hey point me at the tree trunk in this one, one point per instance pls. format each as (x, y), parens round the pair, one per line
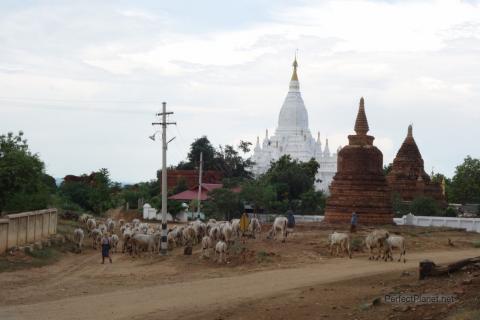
(428, 268)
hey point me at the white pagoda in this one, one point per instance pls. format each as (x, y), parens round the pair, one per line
(293, 137)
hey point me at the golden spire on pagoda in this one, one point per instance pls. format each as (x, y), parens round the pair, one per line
(295, 65)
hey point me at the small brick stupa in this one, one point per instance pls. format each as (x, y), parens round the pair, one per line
(408, 177)
(359, 184)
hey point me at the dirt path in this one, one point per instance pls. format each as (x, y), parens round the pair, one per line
(168, 300)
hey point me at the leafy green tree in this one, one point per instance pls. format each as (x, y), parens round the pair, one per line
(259, 195)
(400, 207)
(291, 178)
(91, 192)
(244, 146)
(225, 159)
(229, 161)
(23, 183)
(202, 145)
(425, 206)
(387, 168)
(312, 202)
(450, 212)
(465, 185)
(223, 203)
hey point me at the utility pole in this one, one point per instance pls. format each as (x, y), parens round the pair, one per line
(164, 124)
(199, 185)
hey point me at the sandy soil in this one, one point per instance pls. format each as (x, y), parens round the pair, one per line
(178, 286)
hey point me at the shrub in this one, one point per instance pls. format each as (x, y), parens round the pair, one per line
(424, 206)
(450, 212)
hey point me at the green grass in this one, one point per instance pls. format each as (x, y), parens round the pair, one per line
(35, 259)
(263, 256)
(357, 244)
(43, 257)
(466, 315)
(476, 243)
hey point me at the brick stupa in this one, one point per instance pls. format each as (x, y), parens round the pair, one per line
(359, 184)
(408, 177)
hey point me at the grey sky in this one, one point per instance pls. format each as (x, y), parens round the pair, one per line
(83, 79)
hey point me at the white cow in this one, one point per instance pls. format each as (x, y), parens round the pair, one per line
(221, 252)
(376, 239)
(78, 236)
(279, 227)
(340, 241)
(394, 242)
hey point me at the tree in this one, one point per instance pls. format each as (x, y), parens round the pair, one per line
(424, 206)
(291, 178)
(387, 168)
(223, 203)
(244, 146)
(91, 192)
(399, 206)
(202, 145)
(225, 159)
(312, 202)
(259, 195)
(228, 160)
(23, 183)
(465, 185)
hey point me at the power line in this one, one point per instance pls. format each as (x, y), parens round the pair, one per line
(76, 100)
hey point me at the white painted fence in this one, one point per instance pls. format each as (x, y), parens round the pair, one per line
(150, 213)
(298, 218)
(469, 224)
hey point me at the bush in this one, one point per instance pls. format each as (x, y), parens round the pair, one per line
(424, 206)
(450, 212)
(357, 244)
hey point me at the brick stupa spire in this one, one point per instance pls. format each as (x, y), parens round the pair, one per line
(359, 184)
(361, 123)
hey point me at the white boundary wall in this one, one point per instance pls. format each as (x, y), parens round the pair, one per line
(469, 224)
(26, 227)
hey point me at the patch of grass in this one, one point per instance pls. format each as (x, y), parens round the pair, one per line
(263, 256)
(44, 257)
(36, 259)
(466, 315)
(476, 243)
(357, 244)
(66, 226)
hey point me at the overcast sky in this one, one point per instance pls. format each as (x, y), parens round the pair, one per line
(84, 79)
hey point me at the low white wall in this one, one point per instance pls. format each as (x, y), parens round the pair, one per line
(469, 224)
(26, 227)
(298, 218)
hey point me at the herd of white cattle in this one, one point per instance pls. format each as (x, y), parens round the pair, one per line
(137, 236)
(379, 239)
(217, 236)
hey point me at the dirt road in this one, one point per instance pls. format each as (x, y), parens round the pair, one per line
(167, 301)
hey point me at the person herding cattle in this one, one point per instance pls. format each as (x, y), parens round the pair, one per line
(353, 223)
(105, 248)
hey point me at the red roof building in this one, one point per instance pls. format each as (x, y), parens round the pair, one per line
(192, 193)
(191, 177)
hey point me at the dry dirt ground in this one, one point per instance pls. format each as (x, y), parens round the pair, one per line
(264, 279)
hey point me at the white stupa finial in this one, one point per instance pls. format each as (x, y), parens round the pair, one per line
(326, 151)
